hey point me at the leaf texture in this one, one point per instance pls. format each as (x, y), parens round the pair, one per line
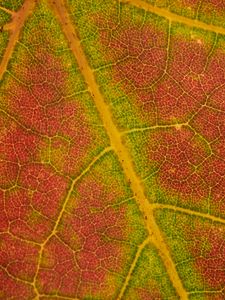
(112, 146)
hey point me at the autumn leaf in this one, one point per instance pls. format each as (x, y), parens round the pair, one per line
(112, 146)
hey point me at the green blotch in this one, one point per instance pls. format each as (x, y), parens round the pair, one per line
(177, 228)
(202, 10)
(152, 2)
(191, 34)
(4, 17)
(137, 232)
(4, 35)
(178, 7)
(4, 38)
(12, 4)
(138, 143)
(84, 15)
(150, 275)
(203, 295)
(123, 108)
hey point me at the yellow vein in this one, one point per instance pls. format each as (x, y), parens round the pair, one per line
(15, 29)
(13, 277)
(189, 212)
(177, 126)
(174, 17)
(7, 10)
(117, 144)
(128, 277)
(58, 297)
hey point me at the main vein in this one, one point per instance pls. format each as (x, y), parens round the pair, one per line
(118, 146)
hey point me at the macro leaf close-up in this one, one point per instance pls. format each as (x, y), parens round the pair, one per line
(112, 149)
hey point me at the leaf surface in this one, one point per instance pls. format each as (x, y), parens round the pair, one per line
(112, 119)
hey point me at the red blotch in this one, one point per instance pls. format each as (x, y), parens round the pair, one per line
(4, 222)
(139, 55)
(13, 289)
(58, 271)
(173, 102)
(24, 221)
(17, 147)
(217, 99)
(32, 207)
(48, 189)
(218, 147)
(57, 116)
(43, 106)
(144, 294)
(210, 124)
(36, 191)
(88, 232)
(186, 65)
(214, 75)
(18, 257)
(211, 6)
(9, 173)
(210, 262)
(176, 152)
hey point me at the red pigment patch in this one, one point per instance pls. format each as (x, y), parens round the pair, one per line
(9, 172)
(217, 5)
(210, 124)
(139, 60)
(48, 118)
(186, 65)
(217, 99)
(219, 147)
(65, 272)
(43, 107)
(34, 205)
(139, 55)
(58, 272)
(78, 138)
(144, 294)
(213, 172)
(47, 189)
(18, 257)
(214, 75)
(186, 168)
(34, 202)
(13, 289)
(209, 249)
(174, 103)
(24, 221)
(17, 147)
(89, 230)
(4, 222)
(176, 152)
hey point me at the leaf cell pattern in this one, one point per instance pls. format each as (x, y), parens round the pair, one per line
(112, 119)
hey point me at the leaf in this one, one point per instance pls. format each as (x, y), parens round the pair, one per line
(112, 149)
